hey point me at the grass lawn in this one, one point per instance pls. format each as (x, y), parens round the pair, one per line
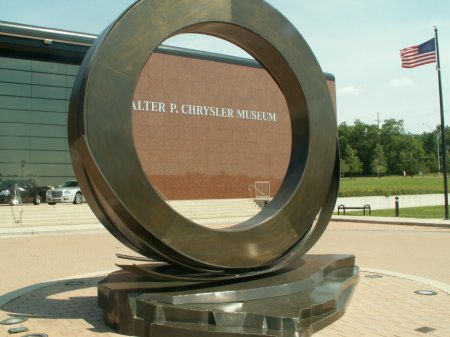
(391, 185)
(428, 212)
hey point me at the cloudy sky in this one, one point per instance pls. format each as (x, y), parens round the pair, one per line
(357, 41)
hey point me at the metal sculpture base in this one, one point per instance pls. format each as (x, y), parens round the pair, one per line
(296, 301)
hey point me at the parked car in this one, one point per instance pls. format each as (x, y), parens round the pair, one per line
(44, 190)
(67, 192)
(16, 192)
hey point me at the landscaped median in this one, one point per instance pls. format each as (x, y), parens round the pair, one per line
(392, 185)
(418, 197)
(427, 212)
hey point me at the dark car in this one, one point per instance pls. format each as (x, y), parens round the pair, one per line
(15, 192)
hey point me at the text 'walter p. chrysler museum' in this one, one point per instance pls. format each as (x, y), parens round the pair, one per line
(204, 125)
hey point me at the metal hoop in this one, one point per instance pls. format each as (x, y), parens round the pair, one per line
(107, 166)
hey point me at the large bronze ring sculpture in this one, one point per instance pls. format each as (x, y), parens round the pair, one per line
(223, 282)
(211, 282)
(110, 174)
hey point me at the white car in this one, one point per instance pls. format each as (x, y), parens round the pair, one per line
(67, 192)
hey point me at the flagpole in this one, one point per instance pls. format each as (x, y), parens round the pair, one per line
(441, 105)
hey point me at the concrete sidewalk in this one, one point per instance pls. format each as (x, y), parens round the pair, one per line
(395, 260)
(19, 230)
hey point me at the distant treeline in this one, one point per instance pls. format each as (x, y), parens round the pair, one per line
(368, 150)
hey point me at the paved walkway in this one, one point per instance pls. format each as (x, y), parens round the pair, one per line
(396, 261)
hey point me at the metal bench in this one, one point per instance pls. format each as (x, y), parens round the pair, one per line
(363, 208)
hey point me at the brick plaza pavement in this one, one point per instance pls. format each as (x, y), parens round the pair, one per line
(384, 306)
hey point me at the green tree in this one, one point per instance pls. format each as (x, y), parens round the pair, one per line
(411, 156)
(392, 136)
(344, 167)
(363, 140)
(379, 164)
(397, 147)
(352, 163)
(432, 145)
(344, 135)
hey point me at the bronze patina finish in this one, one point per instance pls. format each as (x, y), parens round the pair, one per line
(108, 169)
(309, 295)
(248, 280)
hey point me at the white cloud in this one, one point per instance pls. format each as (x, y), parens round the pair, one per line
(348, 90)
(401, 82)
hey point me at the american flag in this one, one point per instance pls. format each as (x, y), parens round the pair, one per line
(416, 56)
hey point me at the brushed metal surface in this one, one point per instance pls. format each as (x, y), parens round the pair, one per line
(110, 174)
(296, 301)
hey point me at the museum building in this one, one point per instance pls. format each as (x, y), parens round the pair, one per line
(205, 125)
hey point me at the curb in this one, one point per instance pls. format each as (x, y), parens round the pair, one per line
(392, 221)
(14, 232)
